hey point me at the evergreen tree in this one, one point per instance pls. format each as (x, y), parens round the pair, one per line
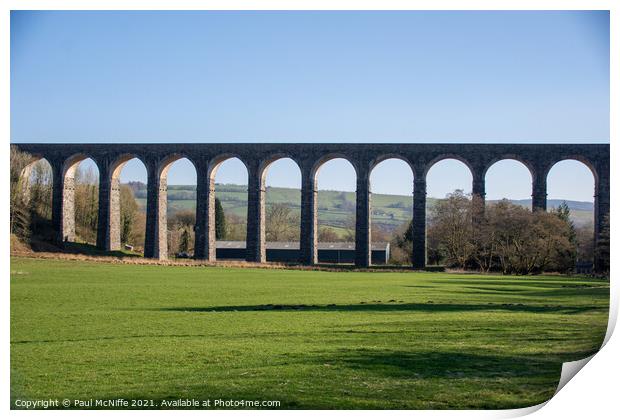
(220, 220)
(563, 212)
(602, 248)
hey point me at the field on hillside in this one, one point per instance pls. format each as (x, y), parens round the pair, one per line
(335, 208)
(309, 339)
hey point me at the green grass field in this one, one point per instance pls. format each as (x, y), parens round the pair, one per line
(310, 339)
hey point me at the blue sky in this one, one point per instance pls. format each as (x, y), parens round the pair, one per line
(318, 76)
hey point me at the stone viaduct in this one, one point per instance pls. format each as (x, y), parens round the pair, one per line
(110, 158)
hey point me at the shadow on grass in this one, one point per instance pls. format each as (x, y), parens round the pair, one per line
(563, 291)
(393, 307)
(451, 365)
(437, 379)
(88, 249)
(508, 282)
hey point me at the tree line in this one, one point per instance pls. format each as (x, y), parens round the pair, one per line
(31, 203)
(31, 211)
(31, 195)
(502, 237)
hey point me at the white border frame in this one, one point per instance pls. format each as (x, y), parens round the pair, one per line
(592, 394)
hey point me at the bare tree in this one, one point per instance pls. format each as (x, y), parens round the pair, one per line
(451, 221)
(281, 224)
(527, 242)
(327, 234)
(19, 217)
(379, 233)
(129, 211)
(236, 228)
(86, 201)
(183, 218)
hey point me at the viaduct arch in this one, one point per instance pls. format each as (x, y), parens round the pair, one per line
(538, 158)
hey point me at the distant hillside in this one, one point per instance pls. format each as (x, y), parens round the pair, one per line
(554, 203)
(335, 207)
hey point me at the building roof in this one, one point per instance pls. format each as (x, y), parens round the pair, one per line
(338, 246)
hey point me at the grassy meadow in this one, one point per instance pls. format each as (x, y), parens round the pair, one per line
(309, 339)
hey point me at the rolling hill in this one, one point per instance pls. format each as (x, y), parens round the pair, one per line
(336, 208)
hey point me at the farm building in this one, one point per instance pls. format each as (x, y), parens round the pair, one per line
(328, 252)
